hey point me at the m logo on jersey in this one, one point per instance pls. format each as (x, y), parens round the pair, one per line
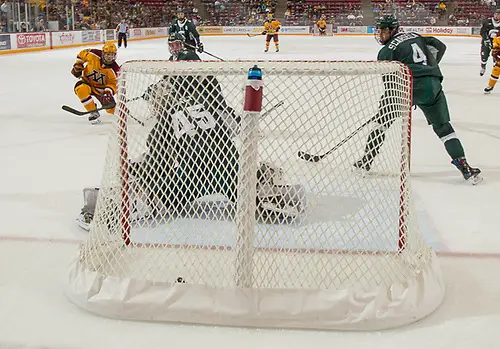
(100, 78)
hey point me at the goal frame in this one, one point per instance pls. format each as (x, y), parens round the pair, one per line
(122, 130)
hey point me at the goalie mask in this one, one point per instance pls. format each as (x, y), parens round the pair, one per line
(109, 53)
(175, 44)
(387, 27)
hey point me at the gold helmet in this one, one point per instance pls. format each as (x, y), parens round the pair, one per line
(270, 16)
(109, 53)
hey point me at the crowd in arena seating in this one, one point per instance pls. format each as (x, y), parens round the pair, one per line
(105, 14)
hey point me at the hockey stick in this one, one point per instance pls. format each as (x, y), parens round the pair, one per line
(315, 158)
(253, 35)
(277, 105)
(83, 113)
(136, 98)
(208, 53)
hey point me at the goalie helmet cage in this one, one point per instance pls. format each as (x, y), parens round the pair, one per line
(178, 234)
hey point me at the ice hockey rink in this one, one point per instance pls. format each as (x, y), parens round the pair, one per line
(48, 156)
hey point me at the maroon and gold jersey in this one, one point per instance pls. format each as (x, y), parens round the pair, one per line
(95, 73)
(272, 26)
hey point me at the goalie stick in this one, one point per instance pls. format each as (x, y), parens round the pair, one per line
(315, 158)
(277, 105)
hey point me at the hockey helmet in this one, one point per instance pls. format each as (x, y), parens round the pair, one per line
(496, 15)
(175, 44)
(386, 27)
(109, 53)
(181, 15)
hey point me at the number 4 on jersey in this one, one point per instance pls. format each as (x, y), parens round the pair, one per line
(418, 55)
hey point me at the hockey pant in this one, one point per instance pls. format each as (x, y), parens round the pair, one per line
(122, 36)
(85, 92)
(275, 39)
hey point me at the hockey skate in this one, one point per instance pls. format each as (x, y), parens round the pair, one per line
(363, 166)
(482, 70)
(471, 174)
(487, 90)
(266, 50)
(94, 117)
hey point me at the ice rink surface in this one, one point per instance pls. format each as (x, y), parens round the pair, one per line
(48, 156)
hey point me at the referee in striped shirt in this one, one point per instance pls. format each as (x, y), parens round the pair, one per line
(122, 30)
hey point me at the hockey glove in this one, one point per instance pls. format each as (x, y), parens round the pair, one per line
(264, 32)
(107, 99)
(77, 70)
(200, 47)
(495, 52)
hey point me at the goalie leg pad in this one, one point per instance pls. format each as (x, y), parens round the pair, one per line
(84, 220)
(281, 202)
(269, 174)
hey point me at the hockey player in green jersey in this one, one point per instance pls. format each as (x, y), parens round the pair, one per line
(183, 26)
(422, 55)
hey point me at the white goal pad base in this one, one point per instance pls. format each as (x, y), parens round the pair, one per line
(349, 309)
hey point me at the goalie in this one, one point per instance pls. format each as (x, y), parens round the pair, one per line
(192, 154)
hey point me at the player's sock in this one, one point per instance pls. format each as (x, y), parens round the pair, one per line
(88, 103)
(495, 73)
(469, 173)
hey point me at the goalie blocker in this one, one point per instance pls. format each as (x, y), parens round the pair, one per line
(192, 155)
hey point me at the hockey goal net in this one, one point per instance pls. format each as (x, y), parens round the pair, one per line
(207, 215)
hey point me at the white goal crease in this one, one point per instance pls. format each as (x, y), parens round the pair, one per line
(205, 192)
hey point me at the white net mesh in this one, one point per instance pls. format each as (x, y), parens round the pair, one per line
(206, 213)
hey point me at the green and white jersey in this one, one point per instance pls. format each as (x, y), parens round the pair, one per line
(186, 56)
(421, 54)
